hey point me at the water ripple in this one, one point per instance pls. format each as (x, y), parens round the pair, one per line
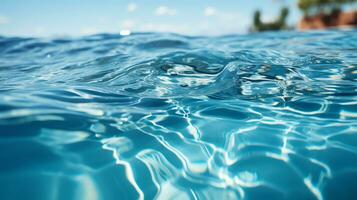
(162, 116)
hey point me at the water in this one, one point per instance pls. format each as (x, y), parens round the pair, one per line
(164, 116)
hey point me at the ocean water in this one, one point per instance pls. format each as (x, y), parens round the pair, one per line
(165, 116)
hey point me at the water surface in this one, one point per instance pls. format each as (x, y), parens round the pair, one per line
(164, 116)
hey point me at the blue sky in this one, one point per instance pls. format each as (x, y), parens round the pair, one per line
(82, 17)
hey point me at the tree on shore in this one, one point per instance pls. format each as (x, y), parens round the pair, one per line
(314, 7)
(278, 24)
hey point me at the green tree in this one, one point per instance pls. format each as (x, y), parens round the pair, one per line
(313, 7)
(278, 24)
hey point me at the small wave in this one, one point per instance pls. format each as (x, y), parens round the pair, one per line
(156, 115)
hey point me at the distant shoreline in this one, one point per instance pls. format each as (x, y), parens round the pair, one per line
(334, 20)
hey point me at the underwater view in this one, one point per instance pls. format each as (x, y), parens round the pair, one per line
(165, 116)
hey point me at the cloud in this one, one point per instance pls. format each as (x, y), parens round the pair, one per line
(226, 22)
(219, 22)
(4, 20)
(209, 11)
(132, 7)
(164, 10)
(222, 23)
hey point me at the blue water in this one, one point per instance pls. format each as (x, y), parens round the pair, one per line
(164, 116)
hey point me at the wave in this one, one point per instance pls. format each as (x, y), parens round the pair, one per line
(156, 115)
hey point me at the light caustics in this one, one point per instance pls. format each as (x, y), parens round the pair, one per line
(160, 116)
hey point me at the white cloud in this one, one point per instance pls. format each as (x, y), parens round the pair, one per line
(220, 22)
(132, 7)
(230, 24)
(209, 11)
(4, 20)
(223, 22)
(164, 10)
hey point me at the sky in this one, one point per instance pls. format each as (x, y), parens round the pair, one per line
(84, 17)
